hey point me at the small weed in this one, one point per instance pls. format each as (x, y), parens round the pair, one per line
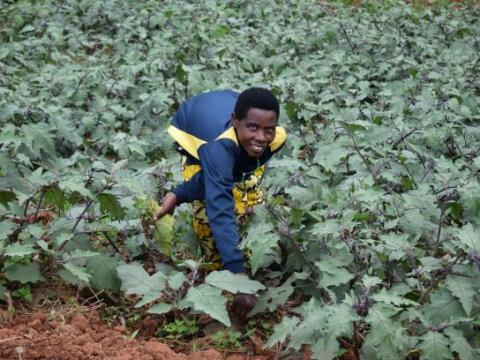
(133, 320)
(178, 329)
(110, 315)
(227, 340)
(264, 326)
(24, 293)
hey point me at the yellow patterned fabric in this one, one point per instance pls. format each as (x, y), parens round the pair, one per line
(246, 194)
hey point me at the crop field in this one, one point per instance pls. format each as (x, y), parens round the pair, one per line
(368, 243)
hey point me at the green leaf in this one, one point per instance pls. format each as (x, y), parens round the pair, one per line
(148, 298)
(6, 197)
(434, 346)
(36, 230)
(469, 238)
(463, 289)
(332, 275)
(19, 250)
(6, 228)
(389, 298)
(339, 323)
(443, 307)
(459, 344)
(386, 336)
(371, 281)
(163, 234)
(329, 155)
(415, 222)
(36, 178)
(273, 298)
(262, 242)
(282, 330)
(209, 300)
(177, 280)
(24, 273)
(135, 280)
(109, 204)
(396, 245)
(72, 185)
(56, 198)
(234, 283)
(81, 254)
(160, 309)
(3, 293)
(69, 278)
(78, 272)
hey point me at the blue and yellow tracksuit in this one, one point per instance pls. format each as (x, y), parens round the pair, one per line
(220, 178)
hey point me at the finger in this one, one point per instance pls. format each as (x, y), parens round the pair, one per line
(158, 215)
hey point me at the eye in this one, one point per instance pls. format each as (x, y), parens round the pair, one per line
(252, 127)
(269, 131)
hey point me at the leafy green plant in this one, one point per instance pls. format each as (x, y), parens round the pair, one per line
(178, 329)
(227, 340)
(110, 315)
(372, 210)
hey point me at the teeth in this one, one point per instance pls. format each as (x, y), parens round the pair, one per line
(257, 148)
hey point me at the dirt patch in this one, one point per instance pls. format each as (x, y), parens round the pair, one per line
(83, 336)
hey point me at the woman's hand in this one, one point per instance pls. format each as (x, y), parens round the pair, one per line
(242, 305)
(168, 206)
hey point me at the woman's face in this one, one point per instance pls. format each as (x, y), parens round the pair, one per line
(256, 130)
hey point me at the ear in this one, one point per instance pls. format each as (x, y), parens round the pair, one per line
(235, 120)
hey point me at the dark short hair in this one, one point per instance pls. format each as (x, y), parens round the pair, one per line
(256, 97)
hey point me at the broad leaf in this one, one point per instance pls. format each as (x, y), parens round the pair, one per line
(109, 204)
(160, 309)
(19, 250)
(78, 272)
(434, 346)
(24, 273)
(282, 330)
(209, 299)
(163, 234)
(463, 289)
(234, 283)
(332, 275)
(6, 228)
(135, 280)
(459, 344)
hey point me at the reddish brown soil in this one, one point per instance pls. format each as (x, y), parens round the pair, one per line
(84, 336)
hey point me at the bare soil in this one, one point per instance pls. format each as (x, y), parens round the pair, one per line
(82, 336)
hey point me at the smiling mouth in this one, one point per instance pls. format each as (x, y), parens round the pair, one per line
(257, 149)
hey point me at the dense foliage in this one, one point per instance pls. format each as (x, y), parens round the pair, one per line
(372, 214)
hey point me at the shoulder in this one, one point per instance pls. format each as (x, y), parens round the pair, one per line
(279, 140)
(219, 148)
(218, 156)
(214, 96)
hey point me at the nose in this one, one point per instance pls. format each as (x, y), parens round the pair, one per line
(261, 137)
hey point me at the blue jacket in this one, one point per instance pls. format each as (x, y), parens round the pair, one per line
(202, 127)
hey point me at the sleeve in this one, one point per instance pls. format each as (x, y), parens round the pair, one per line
(193, 189)
(217, 161)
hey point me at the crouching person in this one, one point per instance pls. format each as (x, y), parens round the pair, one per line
(226, 138)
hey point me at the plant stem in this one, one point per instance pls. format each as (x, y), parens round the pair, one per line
(80, 217)
(42, 196)
(404, 137)
(364, 159)
(443, 275)
(286, 233)
(111, 241)
(347, 37)
(443, 211)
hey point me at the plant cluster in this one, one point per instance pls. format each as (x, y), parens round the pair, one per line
(372, 212)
